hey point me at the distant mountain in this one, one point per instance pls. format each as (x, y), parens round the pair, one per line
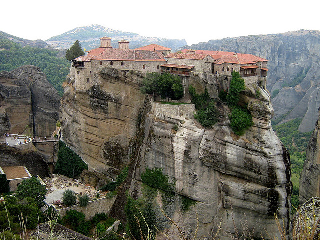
(89, 38)
(294, 70)
(24, 42)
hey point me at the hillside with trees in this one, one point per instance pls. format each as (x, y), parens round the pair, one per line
(50, 61)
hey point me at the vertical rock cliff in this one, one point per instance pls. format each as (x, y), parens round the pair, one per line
(309, 181)
(238, 184)
(28, 102)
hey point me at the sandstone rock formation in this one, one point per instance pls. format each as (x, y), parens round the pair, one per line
(309, 181)
(294, 70)
(238, 183)
(28, 103)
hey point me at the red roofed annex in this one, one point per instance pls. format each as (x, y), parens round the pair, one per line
(156, 58)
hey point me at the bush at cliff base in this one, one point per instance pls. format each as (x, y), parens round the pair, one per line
(69, 163)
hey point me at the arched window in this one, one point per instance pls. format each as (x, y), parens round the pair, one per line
(111, 63)
(144, 66)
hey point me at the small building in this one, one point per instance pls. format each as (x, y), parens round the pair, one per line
(15, 175)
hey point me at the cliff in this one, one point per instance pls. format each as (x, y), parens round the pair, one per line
(238, 183)
(28, 102)
(309, 181)
(294, 73)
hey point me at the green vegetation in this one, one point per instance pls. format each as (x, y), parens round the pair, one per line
(12, 56)
(142, 222)
(205, 106)
(240, 118)
(69, 198)
(236, 87)
(156, 179)
(111, 186)
(32, 188)
(165, 85)
(4, 184)
(69, 163)
(74, 51)
(76, 221)
(144, 215)
(22, 211)
(84, 200)
(296, 143)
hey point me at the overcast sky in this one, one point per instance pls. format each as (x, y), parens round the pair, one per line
(196, 21)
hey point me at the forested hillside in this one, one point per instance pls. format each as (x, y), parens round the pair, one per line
(50, 61)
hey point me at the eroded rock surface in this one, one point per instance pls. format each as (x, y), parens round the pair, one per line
(238, 183)
(28, 103)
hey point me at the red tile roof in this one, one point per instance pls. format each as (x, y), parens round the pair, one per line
(121, 54)
(219, 56)
(154, 47)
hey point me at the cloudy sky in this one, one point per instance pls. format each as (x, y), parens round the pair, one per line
(196, 20)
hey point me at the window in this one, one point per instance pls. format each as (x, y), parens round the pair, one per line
(88, 80)
(122, 63)
(158, 66)
(111, 62)
(144, 66)
(100, 62)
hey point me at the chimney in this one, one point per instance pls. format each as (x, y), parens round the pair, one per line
(105, 42)
(124, 45)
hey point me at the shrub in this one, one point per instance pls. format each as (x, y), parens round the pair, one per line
(165, 85)
(207, 117)
(32, 188)
(76, 221)
(240, 120)
(69, 198)
(206, 111)
(84, 200)
(156, 179)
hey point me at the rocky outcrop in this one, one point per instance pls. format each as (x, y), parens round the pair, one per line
(28, 102)
(238, 183)
(294, 71)
(309, 181)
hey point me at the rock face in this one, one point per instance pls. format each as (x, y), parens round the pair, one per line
(309, 181)
(29, 103)
(238, 183)
(294, 71)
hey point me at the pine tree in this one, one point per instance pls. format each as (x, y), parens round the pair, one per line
(74, 51)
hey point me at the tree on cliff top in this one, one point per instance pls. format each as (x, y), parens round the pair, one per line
(74, 51)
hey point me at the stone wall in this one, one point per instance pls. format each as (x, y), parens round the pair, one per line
(101, 205)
